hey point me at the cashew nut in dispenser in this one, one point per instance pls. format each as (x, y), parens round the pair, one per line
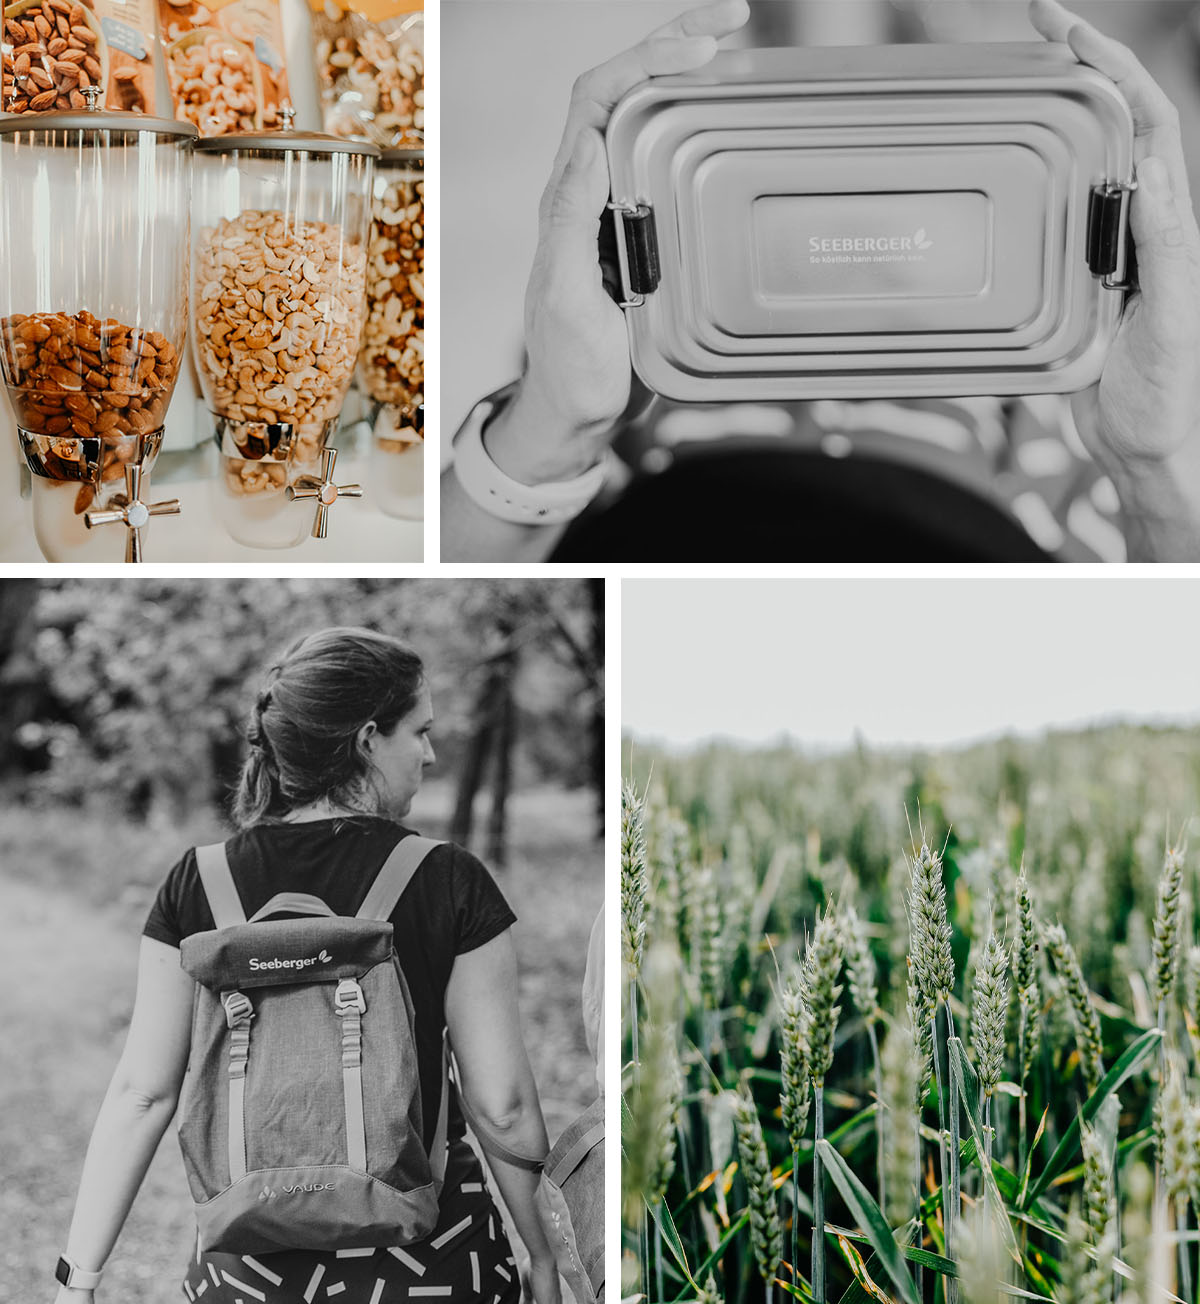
(278, 303)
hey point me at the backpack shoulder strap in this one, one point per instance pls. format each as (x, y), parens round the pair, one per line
(219, 887)
(576, 1143)
(407, 857)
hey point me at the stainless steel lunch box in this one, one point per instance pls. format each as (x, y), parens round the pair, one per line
(892, 220)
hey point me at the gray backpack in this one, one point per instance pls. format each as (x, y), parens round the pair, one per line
(301, 1121)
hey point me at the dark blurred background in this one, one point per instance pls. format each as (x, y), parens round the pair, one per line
(132, 695)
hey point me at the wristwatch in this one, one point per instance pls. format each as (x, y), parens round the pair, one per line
(499, 495)
(69, 1273)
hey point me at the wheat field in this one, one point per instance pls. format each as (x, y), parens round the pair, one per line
(942, 1007)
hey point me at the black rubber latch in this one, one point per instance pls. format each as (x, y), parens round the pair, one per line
(641, 250)
(1105, 229)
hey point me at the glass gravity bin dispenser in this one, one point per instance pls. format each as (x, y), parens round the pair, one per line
(393, 355)
(93, 312)
(278, 305)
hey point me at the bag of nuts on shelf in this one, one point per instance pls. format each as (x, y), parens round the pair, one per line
(393, 351)
(371, 62)
(52, 49)
(225, 63)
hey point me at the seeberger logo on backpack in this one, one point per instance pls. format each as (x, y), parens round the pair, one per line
(323, 958)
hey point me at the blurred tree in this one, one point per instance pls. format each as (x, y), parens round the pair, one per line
(134, 692)
(529, 626)
(18, 674)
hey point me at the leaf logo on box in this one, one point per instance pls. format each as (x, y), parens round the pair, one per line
(920, 242)
(323, 958)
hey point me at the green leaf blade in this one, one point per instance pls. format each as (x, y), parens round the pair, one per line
(1112, 1080)
(866, 1212)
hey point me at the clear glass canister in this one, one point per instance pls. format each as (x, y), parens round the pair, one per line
(278, 304)
(393, 354)
(93, 311)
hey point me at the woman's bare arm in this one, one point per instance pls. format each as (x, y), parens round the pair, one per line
(139, 1104)
(485, 1031)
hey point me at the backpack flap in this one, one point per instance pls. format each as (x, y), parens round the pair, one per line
(279, 952)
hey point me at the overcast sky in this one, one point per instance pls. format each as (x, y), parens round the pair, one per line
(904, 661)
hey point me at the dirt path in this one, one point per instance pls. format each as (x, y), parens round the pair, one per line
(66, 988)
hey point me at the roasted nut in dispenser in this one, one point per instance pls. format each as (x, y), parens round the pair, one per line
(394, 338)
(74, 375)
(278, 305)
(278, 316)
(393, 354)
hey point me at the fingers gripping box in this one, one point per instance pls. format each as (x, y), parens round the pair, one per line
(903, 220)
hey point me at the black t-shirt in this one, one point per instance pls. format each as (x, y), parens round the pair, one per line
(451, 906)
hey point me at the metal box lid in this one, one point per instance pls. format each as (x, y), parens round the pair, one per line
(890, 220)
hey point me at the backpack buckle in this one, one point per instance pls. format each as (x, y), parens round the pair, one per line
(237, 1008)
(348, 999)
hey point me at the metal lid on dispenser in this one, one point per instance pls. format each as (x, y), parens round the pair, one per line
(907, 220)
(116, 120)
(410, 148)
(284, 142)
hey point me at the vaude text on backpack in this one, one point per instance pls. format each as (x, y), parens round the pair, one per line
(301, 1123)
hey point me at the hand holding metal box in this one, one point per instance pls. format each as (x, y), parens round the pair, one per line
(1142, 420)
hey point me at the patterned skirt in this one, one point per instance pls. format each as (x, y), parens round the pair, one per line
(467, 1259)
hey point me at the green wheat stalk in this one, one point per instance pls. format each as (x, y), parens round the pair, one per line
(932, 972)
(903, 1080)
(635, 882)
(989, 1010)
(634, 886)
(1083, 1015)
(819, 992)
(1029, 1002)
(1177, 1149)
(766, 1236)
(864, 992)
(795, 1092)
(1099, 1208)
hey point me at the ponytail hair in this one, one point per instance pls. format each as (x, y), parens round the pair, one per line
(304, 725)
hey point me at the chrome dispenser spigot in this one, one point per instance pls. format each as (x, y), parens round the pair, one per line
(130, 511)
(324, 491)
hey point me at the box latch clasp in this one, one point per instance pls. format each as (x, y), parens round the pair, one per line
(1109, 248)
(637, 252)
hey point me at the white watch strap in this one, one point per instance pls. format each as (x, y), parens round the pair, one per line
(79, 1278)
(526, 504)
